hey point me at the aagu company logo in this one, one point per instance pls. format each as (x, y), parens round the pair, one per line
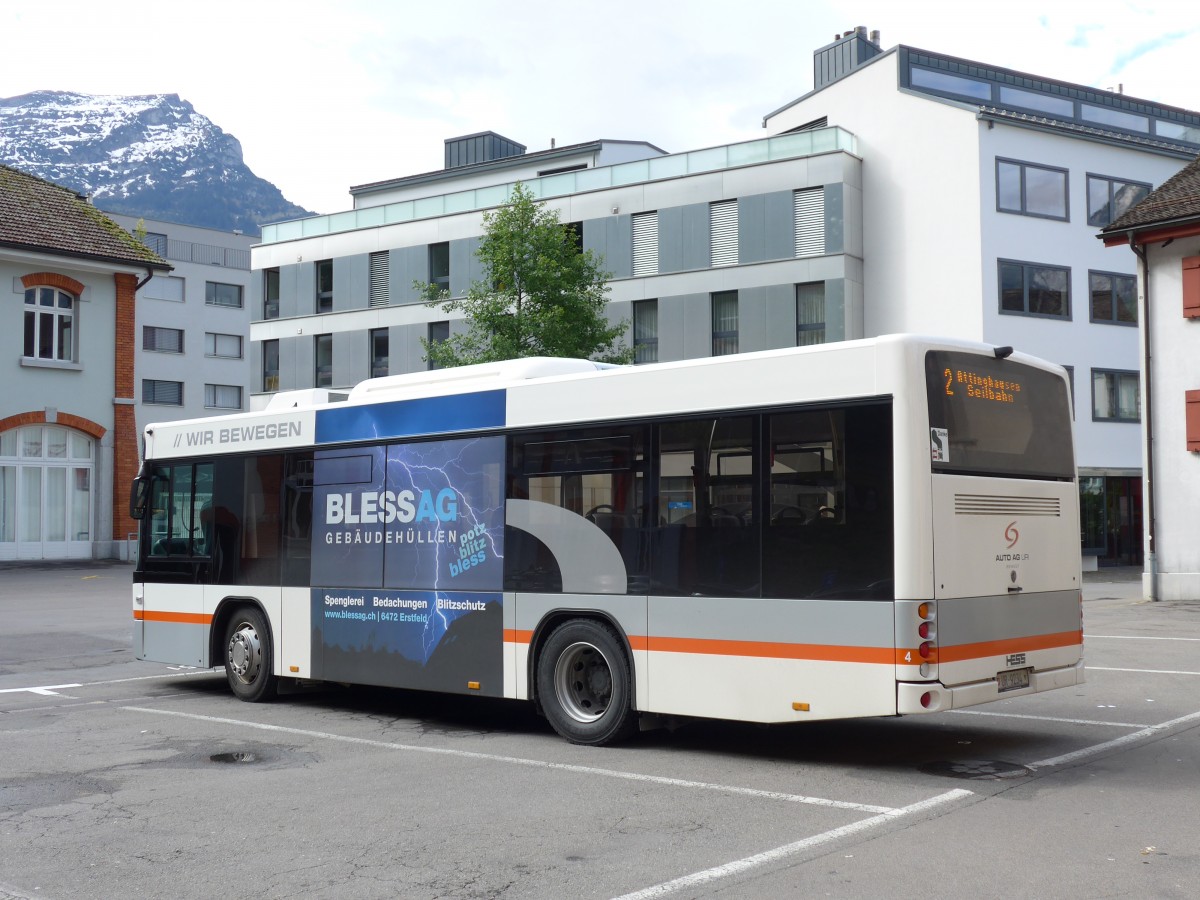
(1012, 535)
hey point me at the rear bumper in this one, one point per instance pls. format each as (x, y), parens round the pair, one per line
(909, 694)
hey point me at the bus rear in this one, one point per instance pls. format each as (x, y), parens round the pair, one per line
(1005, 617)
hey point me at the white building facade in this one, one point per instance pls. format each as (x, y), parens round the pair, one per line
(983, 190)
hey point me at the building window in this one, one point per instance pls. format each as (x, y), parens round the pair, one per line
(378, 339)
(270, 365)
(323, 301)
(1110, 198)
(323, 360)
(228, 346)
(1029, 190)
(164, 287)
(49, 324)
(645, 243)
(438, 332)
(723, 233)
(439, 266)
(379, 289)
(163, 393)
(271, 294)
(1035, 290)
(1114, 298)
(162, 340)
(45, 486)
(1115, 396)
(645, 331)
(810, 314)
(222, 396)
(217, 294)
(724, 323)
(574, 231)
(809, 215)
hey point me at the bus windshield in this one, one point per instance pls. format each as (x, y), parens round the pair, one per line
(997, 417)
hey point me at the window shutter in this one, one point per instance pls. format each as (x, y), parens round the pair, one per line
(645, 244)
(810, 222)
(1193, 420)
(379, 290)
(1191, 287)
(723, 222)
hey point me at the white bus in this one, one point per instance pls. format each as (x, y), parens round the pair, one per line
(869, 528)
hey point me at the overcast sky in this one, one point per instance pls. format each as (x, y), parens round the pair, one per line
(324, 95)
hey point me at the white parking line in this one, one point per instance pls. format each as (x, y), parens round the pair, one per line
(49, 690)
(1134, 637)
(1110, 745)
(1140, 671)
(884, 811)
(769, 856)
(980, 712)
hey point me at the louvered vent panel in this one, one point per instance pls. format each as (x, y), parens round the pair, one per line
(723, 220)
(810, 222)
(645, 244)
(988, 505)
(379, 289)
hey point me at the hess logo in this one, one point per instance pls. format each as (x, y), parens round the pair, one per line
(1011, 534)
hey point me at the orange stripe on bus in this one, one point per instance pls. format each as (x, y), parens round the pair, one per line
(513, 636)
(767, 649)
(154, 615)
(964, 652)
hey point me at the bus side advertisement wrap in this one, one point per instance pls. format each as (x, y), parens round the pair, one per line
(407, 565)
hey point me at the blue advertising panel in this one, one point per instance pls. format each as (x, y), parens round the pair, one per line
(407, 564)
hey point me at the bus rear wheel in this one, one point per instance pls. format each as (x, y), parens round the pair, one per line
(248, 656)
(584, 683)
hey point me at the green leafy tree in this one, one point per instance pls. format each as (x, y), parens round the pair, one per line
(540, 294)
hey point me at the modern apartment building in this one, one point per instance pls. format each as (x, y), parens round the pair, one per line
(193, 325)
(909, 191)
(983, 191)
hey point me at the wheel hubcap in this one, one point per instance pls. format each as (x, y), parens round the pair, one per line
(245, 654)
(583, 682)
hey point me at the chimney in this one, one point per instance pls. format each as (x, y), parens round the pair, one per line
(847, 52)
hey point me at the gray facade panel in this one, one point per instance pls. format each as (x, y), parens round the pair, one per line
(684, 327)
(835, 220)
(835, 311)
(765, 227)
(766, 317)
(295, 363)
(475, 266)
(289, 291)
(351, 277)
(683, 238)
(350, 360)
(779, 225)
(406, 265)
(461, 254)
(306, 288)
(611, 239)
(752, 224)
(254, 359)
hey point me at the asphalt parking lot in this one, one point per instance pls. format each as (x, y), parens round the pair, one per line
(124, 778)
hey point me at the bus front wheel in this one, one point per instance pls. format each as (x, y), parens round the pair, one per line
(248, 656)
(584, 683)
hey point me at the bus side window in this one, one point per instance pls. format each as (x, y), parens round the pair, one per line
(707, 540)
(598, 474)
(297, 519)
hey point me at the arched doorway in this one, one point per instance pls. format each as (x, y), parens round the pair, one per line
(47, 502)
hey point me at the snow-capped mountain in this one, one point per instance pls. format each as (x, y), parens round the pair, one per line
(151, 156)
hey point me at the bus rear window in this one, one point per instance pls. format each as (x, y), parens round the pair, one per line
(997, 417)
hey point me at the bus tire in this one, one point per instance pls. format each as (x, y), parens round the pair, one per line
(248, 656)
(584, 683)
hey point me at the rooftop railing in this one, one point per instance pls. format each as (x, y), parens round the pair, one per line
(676, 165)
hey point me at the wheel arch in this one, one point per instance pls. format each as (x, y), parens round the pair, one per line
(546, 627)
(220, 622)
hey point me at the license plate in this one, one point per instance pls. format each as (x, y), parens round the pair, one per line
(1013, 680)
